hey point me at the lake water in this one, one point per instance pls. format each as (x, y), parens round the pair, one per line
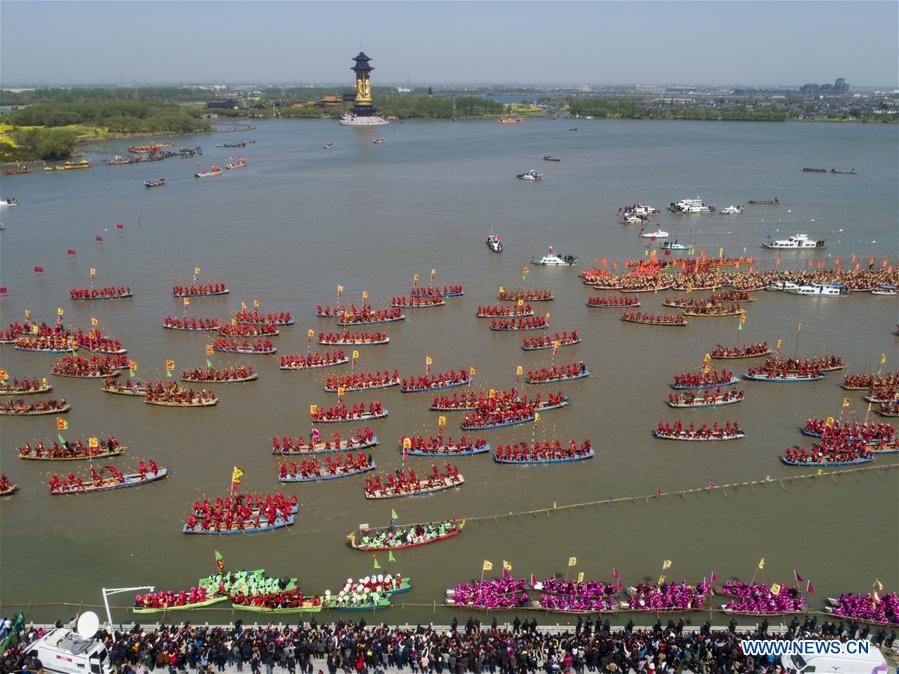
(299, 219)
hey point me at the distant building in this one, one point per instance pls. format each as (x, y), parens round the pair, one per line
(839, 87)
(226, 104)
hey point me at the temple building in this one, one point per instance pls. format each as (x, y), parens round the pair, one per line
(363, 112)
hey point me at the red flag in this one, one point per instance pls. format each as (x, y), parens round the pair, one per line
(809, 588)
(119, 226)
(615, 573)
(71, 251)
(98, 238)
(3, 290)
(797, 576)
(714, 577)
(39, 270)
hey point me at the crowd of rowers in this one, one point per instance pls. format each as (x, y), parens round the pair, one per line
(177, 396)
(878, 434)
(512, 324)
(436, 381)
(430, 297)
(344, 413)
(526, 295)
(192, 323)
(6, 485)
(828, 452)
(246, 316)
(745, 351)
(760, 598)
(368, 591)
(227, 374)
(138, 387)
(233, 346)
(703, 379)
(362, 380)
(24, 385)
(440, 445)
(54, 342)
(240, 511)
(99, 293)
(803, 365)
(93, 341)
(883, 394)
(348, 338)
(405, 537)
(400, 482)
(332, 466)
(16, 329)
(363, 314)
(679, 430)
(863, 382)
(171, 599)
(550, 450)
(653, 319)
(558, 372)
(448, 290)
(471, 400)
(547, 342)
(198, 290)
(869, 607)
(702, 309)
(509, 409)
(612, 302)
(94, 366)
(69, 450)
(669, 597)
(288, 445)
(106, 475)
(284, 599)
(504, 310)
(21, 406)
(706, 397)
(292, 361)
(238, 330)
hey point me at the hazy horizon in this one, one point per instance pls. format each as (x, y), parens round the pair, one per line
(449, 43)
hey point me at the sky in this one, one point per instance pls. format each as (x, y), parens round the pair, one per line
(433, 43)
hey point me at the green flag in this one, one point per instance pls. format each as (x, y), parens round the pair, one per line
(208, 363)
(390, 557)
(218, 556)
(168, 374)
(394, 515)
(376, 564)
(62, 440)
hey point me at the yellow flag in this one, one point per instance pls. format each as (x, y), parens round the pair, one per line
(132, 365)
(313, 409)
(492, 394)
(846, 402)
(883, 358)
(506, 566)
(93, 443)
(661, 580)
(255, 303)
(233, 321)
(59, 311)
(341, 390)
(407, 443)
(170, 365)
(488, 565)
(44, 382)
(27, 313)
(441, 421)
(708, 357)
(472, 371)
(355, 355)
(243, 306)
(799, 326)
(877, 585)
(433, 272)
(4, 375)
(820, 471)
(61, 424)
(210, 349)
(94, 322)
(93, 272)
(429, 360)
(775, 589)
(35, 329)
(519, 370)
(310, 334)
(520, 302)
(762, 563)
(536, 417)
(196, 271)
(779, 344)
(666, 564)
(580, 577)
(235, 475)
(415, 277)
(548, 315)
(186, 301)
(501, 290)
(572, 561)
(829, 421)
(365, 294)
(339, 289)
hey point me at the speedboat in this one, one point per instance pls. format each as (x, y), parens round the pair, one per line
(530, 175)
(794, 242)
(494, 243)
(214, 171)
(159, 182)
(819, 289)
(696, 205)
(732, 210)
(329, 146)
(668, 245)
(377, 141)
(884, 290)
(553, 260)
(9, 201)
(634, 219)
(658, 234)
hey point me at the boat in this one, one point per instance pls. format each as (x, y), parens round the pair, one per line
(87, 454)
(589, 454)
(684, 436)
(39, 349)
(366, 544)
(193, 402)
(826, 464)
(206, 290)
(298, 362)
(731, 210)
(9, 489)
(240, 163)
(232, 346)
(723, 353)
(782, 377)
(8, 202)
(68, 166)
(708, 400)
(213, 171)
(200, 325)
(544, 343)
(334, 384)
(366, 340)
(214, 599)
(311, 606)
(343, 445)
(565, 377)
(887, 290)
(329, 146)
(850, 172)
(765, 202)
(437, 385)
(109, 484)
(663, 320)
(508, 120)
(553, 260)
(84, 295)
(137, 389)
(494, 243)
(658, 234)
(669, 245)
(714, 311)
(797, 241)
(8, 390)
(423, 488)
(530, 175)
(818, 289)
(159, 182)
(8, 410)
(377, 141)
(388, 317)
(696, 205)
(17, 171)
(264, 525)
(320, 417)
(235, 379)
(337, 605)
(470, 449)
(324, 474)
(549, 157)
(705, 386)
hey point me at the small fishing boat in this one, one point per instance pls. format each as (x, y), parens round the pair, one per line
(549, 157)
(530, 175)
(240, 163)
(247, 527)
(370, 539)
(329, 146)
(324, 474)
(158, 182)
(589, 454)
(339, 446)
(782, 377)
(658, 234)
(423, 489)
(214, 171)
(494, 243)
(37, 412)
(109, 484)
(377, 141)
(214, 599)
(553, 260)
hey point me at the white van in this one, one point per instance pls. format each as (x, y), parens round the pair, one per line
(64, 651)
(858, 663)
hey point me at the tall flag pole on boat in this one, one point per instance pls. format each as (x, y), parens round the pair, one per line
(433, 273)
(196, 274)
(428, 362)
(209, 351)
(524, 273)
(353, 363)
(759, 567)
(415, 278)
(572, 562)
(472, 371)
(132, 368)
(883, 360)
(798, 328)
(741, 321)
(61, 425)
(407, 445)
(534, 427)
(364, 297)
(309, 336)
(236, 474)
(219, 562)
(169, 367)
(486, 566)
(441, 424)
(339, 292)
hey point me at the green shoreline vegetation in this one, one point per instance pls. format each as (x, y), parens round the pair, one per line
(48, 124)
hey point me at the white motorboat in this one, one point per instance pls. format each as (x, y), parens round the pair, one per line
(553, 260)
(658, 234)
(9, 201)
(884, 290)
(530, 175)
(641, 210)
(494, 243)
(797, 241)
(732, 210)
(818, 289)
(378, 141)
(633, 219)
(784, 286)
(696, 205)
(673, 245)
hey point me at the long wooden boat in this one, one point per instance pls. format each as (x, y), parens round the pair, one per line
(183, 607)
(327, 476)
(454, 530)
(346, 445)
(43, 388)
(98, 375)
(711, 438)
(717, 401)
(760, 354)
(129, 480)
(834, 603)
(512, 314)
(123, 296)
(698, 313)
(580, 375)
(36, 413)
(280, 522)
(639, 321)
(106, 352)
(421, 491)
(236, 380)
(878, 399)
(199, 295)
(486, 427)
(305, 608)
(351, 342)
(437, 387)
(422, 305)
(550, 345)
(759, 614)
(515, 328)
(704, 387)
(191, 403)
(346, 420)
(446, 450)
(641, 289)
(826, 464)
(787, 379)
(294, 509)
(139, 390)
(50, 351)
(383, 602)
(886, 411)
(344, 323)
(211, 328)
(303, 366)
(84, 457)
(364, 387)
(248, 351)
(10, 490)
(814, 434)
(632, 305)
(543, 462)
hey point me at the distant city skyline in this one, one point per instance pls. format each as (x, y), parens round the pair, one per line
(449, 43)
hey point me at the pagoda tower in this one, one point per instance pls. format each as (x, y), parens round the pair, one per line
(363, 112)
